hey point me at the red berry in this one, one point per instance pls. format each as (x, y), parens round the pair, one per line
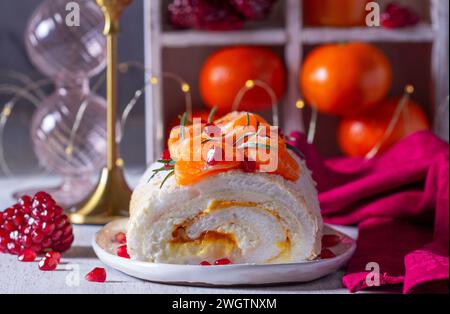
(48, 264)
(330, 240)
(122, 252)
(212, 130)
(54, 255)
(253, 9)
(248, 166)
(27, 255)
(35, 223)
(215, 155)
(205, 263)
(98, 274)
(396, 16)
(165, 155)
(222, 261)
(204, 15)
(121, 238)
(327, 253)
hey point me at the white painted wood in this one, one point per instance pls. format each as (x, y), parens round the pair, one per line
(317, 35)
(181, 39)
(293, 117)
(153, 61)
(440, 66)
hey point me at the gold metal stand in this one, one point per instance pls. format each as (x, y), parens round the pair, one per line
(111, 198)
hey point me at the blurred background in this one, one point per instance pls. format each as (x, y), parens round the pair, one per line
(411, 64)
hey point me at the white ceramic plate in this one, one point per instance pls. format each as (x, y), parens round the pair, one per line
(227, 275)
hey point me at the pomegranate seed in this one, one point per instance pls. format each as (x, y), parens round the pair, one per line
(215, 155)
(330, 240)
(205, 263)
(248, 166)
(8, 214)
(165, 155)
(48, 227)
(122, 252)
(48, 264)
(212, 130)
(98, 274)
(25, 201)
(120, 238)
(27, 255)
(222, 261)
(54, 255)
(327, 253)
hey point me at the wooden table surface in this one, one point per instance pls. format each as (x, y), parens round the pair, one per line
(17, 277)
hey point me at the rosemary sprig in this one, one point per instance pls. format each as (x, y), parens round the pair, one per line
(295, 150)
(171, 173)
(182, 125)
(255, 145)
(244, 136)
(212, 114)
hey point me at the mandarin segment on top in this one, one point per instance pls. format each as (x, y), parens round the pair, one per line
(242, 128)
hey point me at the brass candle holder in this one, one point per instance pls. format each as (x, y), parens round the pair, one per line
(111, 198)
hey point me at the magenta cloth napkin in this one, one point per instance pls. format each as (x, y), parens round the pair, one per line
(400, 203)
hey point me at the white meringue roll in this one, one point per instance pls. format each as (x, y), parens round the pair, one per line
(248, 218)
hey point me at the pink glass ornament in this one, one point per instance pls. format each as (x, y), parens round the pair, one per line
(68, 129)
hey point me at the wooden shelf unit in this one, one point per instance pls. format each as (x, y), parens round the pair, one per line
(293, 37)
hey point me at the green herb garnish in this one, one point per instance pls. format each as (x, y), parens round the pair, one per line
(212, 114)
(295, 150)
(182, 125)
(171, 173)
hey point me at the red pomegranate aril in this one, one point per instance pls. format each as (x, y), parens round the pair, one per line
(48, 264)
(205, 263)
(249, 166)
(222, 261)
(61, 221)
(46, 243)
(54, 255)
(165, 155)
(27, 255)
(215, 155)
(212, 130)
(37, 236)
(67, 230)
(120, 237)
(122, 252)
(12, 248)
(330, 240)
(9, 226)
(327, 253)
(98, 274)
(57, 235)
(26, 241)
(8, 214)
(42, 195)
(48, 227)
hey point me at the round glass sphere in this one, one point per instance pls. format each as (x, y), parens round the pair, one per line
(62, 48)
(68, 140)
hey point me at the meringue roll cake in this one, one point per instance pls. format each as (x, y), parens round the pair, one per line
(230, 189)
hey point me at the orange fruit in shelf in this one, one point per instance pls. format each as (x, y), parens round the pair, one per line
(226, 72)
(345, 79)
(340, 13)
(358, 135)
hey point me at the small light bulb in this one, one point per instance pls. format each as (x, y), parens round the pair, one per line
(119, 162)
(250, 84)
(300, 104)
(69, 150)
(409, 89)
(185, 88)
(6, 111)
(154, 80)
